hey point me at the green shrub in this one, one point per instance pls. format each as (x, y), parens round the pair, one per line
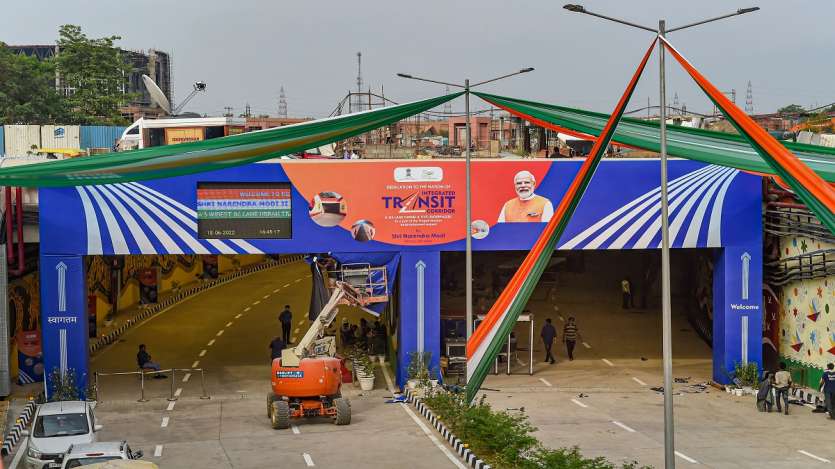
(747, 374)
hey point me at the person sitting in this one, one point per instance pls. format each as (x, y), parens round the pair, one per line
(143, 359)
(765, 398)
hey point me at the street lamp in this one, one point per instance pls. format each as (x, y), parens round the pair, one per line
(667, 352)
(469, 246)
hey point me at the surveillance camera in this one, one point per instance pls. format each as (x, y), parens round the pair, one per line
(200, 86)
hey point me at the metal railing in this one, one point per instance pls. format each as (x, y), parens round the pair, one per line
(173, 371)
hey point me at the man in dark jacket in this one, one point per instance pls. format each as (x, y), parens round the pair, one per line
(276, 346)
(828, 388)
(286, 320)
(548, 334)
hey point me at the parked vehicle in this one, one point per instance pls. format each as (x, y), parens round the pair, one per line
(94, 453)
(58, 426)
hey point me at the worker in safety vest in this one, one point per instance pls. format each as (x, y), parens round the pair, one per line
(527, 206)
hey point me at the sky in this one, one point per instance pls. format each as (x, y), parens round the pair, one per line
(247, 49)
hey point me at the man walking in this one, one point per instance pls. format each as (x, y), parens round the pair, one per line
(286, 320)
(569, 337)
(626, 290)
(828, 388)
(782, 383)
(548, 334)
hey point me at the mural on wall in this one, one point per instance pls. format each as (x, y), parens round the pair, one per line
(24, 317)
(100, 268)
(806, 317)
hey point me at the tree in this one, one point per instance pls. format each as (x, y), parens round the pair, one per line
(27, 90)
(95, 74)
(791, 109)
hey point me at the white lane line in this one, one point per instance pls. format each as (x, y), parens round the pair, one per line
(686, 458)
(556, 308)
(607, 362)
(293, 339)
(297, 280)
(295, 429)
(586, 345)
(220, 333)
(630, 430)
(256, 302)
(301, 322)
(579, 403)
(178, 392)
(186, 377)
(297, 330)
(211, 342)
(238, 316)
(806, 453)
(307, 276)
(201, 354)
(164, 422)
(170, 406)
(276, 290)
(286, 285)
(196, 362)
(228, 323)
(639, 381)
(562, 319)
(158, 451)
(429, 434)
(247, 309)
(308, 460)
(545, 382)
(265, 296)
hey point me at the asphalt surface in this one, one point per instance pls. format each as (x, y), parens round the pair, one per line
(226, 331)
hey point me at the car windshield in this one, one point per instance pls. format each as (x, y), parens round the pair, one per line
(48, 426)
(91, 460)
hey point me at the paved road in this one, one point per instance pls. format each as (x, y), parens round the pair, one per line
(234, 324)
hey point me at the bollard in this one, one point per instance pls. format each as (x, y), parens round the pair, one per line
(203, 384)
(142, 387)
(171, 396)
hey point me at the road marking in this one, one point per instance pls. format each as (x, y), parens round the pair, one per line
(247, 309)
(586, 345)
(238, 316)
(196, 362)
(607, 362)
(420, 423)
(297, 330)
(276, 290)
(579, 403)
(301, 322)
(556, 308)
(219, 333)
(164, 422)
(178, 392)
(228, 323)
(201, 354)
(158, 451)
(297, 280)
(630, 430)
(308, 276)
(308, 460)
(686, 458)
(562, 319)
(639, 381)
(295, 429)
(171, 406)
(265, 296)
(256, 302)
(806, 453)
(211, 342)
(545, 381)
(186, 377)
(293, 340)
(286, 285)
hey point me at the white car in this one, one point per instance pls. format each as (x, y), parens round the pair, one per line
(56, 427)
(95, 453)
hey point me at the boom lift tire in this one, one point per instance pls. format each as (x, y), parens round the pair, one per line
(270, 399)
(343, 411)
(280, 417)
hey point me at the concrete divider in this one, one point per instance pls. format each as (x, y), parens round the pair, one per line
(13, 436)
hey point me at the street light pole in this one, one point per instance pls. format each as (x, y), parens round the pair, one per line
(468, 283)
(666, 307)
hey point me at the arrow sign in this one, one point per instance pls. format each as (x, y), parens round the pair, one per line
(421, 268)
(746, 264)
(62, 286)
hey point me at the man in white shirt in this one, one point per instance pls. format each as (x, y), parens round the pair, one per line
(782, 383)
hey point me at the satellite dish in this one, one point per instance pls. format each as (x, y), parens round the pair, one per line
(157, 96)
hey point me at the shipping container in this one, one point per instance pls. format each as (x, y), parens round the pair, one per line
(184, 135)
(2, 144)
(20, 139)
(100, 136)
(60, 136)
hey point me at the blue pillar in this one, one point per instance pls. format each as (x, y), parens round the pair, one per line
(737, 310)
(64, 317)
(420, 297)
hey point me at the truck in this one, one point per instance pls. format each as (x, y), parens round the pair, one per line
(146, 133)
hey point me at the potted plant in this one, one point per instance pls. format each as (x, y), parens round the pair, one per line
(419, 376)
(365, 371)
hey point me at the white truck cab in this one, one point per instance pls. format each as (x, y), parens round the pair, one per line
(58, 426)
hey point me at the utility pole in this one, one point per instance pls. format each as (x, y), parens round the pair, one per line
(227, 111)
(282, 103)
(749, 99)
